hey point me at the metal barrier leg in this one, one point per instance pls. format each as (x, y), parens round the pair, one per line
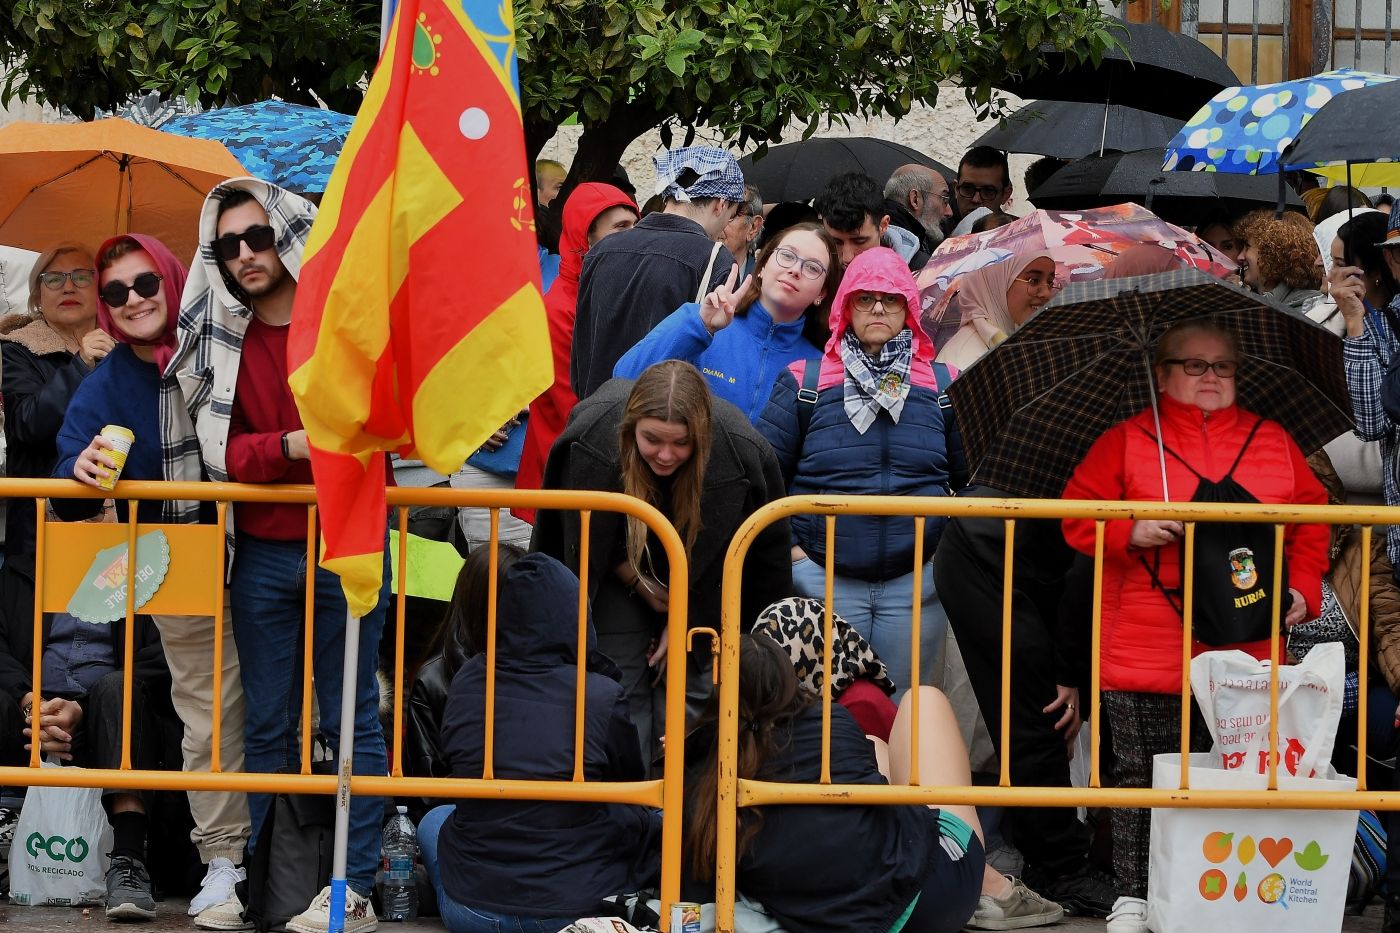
(347, 755)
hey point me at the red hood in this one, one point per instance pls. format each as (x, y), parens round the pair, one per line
(877, 270)
(584, 205)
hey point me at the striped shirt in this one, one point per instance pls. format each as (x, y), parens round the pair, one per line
(1366, 358)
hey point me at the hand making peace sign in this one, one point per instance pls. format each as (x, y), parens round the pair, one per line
(718, 308)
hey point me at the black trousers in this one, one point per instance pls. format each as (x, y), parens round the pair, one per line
(968, 573)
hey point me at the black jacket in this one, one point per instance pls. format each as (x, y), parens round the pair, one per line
(39, 379)
(823, 868)
(631, 281)
(742, 474)
(529, 858)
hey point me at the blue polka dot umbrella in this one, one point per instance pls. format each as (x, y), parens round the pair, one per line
(1244, 130)
(287, 144)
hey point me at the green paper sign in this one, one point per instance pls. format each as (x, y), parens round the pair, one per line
(432, 566)
(101, 597)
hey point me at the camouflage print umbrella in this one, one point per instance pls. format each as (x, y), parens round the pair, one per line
(289, 145)
(1030, 409)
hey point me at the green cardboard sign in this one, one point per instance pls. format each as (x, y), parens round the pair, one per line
(432, 566)
(101, 597)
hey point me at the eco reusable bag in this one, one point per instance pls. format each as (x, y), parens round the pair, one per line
(59, 853)
(1284, 871)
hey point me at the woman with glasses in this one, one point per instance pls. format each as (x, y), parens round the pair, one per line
(745, 333)
(869, 418)
(1206, 439)
(994, 301)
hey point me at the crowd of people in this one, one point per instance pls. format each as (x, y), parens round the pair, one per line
(712, 354)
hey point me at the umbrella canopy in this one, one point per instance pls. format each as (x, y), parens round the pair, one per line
(1358, 126)
(292, 146)
(1030, 409)
(1244, 130)
(1157, 70)
(1189, 198)
(1082, 243)
(799, 171)
(88, 181)
(1072, 130)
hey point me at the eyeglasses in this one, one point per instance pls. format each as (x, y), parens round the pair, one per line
(786, 258)
(146, 285)
(1036, 280)
(81, 278)
(891, 303)
(258, 238)
(943, 195)
(984, 192)
(1225, 369)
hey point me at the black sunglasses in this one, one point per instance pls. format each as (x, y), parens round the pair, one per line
(258, 238)
(146, 285)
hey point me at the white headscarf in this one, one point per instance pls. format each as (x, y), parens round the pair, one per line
(986, 320)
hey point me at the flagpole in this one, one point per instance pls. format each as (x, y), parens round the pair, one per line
(386, 17)
(348, 687)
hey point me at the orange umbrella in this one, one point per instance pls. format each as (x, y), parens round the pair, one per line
(89, 181)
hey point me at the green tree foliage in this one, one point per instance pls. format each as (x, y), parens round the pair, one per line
(748, 68)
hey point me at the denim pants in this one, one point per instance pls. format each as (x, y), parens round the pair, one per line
(880, 611)
(459, 918)
(268, 593)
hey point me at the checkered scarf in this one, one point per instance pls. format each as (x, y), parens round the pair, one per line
(196, 399)
(877, 382)
(720, 176)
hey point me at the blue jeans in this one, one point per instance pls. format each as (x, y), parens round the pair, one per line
(268, 597)
(459, 918)
(880, 612)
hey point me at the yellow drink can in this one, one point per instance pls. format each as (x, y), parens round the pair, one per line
(121, 440)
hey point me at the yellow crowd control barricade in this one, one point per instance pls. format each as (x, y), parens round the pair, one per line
(734, 793)
(194, 585)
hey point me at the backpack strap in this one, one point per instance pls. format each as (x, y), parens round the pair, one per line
(807, 398)
(944, 378)
(1245, 446)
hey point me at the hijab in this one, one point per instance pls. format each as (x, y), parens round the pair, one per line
(986, 320)
(172, 273)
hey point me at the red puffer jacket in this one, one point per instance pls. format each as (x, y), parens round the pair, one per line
(1141, 647)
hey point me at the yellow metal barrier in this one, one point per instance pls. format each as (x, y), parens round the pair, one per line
(194, 586)
(734, 793)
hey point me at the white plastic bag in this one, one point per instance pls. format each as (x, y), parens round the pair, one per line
(60, 848)
(1232, 690)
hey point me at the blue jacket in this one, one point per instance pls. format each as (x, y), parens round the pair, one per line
(741, 362)
(920, 456)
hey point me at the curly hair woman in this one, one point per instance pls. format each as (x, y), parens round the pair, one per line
(1280, 258)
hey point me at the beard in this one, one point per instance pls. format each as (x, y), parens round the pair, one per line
(272, 280)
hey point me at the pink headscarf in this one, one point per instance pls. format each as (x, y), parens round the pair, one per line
(982, 303)
(172, 273)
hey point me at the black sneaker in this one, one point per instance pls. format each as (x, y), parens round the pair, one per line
(129, 890)
(1391, 922)
(1082, 893)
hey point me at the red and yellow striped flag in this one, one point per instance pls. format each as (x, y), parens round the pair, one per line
(418, 323)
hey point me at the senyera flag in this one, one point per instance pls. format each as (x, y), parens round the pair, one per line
(418, 324)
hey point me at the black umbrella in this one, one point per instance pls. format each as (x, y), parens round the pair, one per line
(799, 171)
(1157, 70)
(1071, 130)
(1187, 198)
(1358, 127)
(1030, 409)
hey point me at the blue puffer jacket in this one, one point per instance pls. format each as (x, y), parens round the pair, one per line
(920, 456)
(741, 362)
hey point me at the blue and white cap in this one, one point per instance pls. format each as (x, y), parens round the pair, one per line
(717, 171)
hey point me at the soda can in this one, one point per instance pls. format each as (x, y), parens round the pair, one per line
(685, 917)
(121, 440)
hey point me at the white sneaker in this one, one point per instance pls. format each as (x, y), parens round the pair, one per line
(1129, 915)
(217, 886)
(359, 916)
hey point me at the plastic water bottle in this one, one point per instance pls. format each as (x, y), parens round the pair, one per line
(398, 893)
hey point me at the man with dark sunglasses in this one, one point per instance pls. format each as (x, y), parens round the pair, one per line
(231, 368)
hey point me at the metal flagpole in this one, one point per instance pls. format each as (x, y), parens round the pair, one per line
(348, 687)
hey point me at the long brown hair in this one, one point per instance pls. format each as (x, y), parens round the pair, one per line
(770, 697)
(675, 392)
(816, 320)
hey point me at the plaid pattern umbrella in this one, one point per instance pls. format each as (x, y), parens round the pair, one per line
(292, 146)
(1030, 409)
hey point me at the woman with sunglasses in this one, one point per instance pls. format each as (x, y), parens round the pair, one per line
(741, 337)
(1207, 438)
(47, 355)
(995, 301)
(866, 419)
(139, 282)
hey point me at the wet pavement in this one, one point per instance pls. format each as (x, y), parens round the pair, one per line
(172, 917)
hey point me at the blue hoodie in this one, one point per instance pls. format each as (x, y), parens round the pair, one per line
(741, 362)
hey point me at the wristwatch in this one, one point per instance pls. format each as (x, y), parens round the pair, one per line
(286, 451)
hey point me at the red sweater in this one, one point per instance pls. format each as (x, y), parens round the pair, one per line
(1141, 648)
(263, 410)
